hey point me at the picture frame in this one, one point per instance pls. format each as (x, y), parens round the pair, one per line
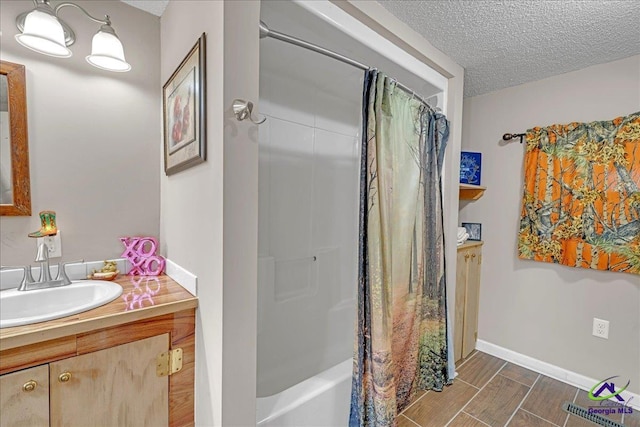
(470, 167)
(474, 229)
(184, 112)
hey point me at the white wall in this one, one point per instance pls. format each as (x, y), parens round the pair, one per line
(543, 310)
(93, 136)
(218, 197)
(308, 213)
(191, 201)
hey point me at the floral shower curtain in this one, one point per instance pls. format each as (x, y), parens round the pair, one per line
(581, 203)
(401, 339)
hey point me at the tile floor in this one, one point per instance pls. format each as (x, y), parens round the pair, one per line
(492, 392)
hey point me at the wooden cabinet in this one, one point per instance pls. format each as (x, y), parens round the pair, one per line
(24, 398)
(467, 298)
(116, 386)
(107, 377)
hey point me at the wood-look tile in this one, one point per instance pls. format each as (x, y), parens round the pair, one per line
(575, 421)
(403, 421)
(479, 369)
(547, 397)
(464, 359)
(497, 401)
(525, 419)
(465, 420)
(418, 395)
(520, 374)
(582, 400)
(632, 420)
(435, 409)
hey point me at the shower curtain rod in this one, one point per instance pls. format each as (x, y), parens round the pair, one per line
(265, 31)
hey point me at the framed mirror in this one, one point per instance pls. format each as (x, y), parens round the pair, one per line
(15, 184)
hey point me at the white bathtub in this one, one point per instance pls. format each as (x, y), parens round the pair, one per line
(322, 400)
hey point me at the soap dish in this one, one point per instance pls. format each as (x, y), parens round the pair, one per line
(111, 275)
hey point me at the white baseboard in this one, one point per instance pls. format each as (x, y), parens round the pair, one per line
(186, 279)
(569, 377)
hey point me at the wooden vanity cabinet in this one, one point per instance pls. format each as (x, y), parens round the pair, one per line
(116, 386)
(111, 378)
(467, 300)
(24, 398)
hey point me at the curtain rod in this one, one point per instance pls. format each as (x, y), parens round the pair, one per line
(510, 136)
(265, 31)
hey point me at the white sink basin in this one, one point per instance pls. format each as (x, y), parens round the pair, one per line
(25, 307)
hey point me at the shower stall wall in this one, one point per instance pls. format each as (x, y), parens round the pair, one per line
(308, 203)
(309, 159)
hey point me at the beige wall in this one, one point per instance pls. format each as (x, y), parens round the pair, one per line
(191, 201)
(542, 310)
(199, 207)
(93, 136)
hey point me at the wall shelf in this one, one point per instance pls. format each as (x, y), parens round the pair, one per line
(471, 192)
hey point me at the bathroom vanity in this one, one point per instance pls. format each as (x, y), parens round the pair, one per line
(127, 363)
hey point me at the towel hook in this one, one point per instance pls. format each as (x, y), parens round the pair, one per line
(243, 110)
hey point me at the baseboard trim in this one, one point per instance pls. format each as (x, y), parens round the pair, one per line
(569, 377)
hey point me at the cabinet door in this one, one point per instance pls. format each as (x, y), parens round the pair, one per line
(470, 333)
(461, 290)
(24, 398)
(117, 386)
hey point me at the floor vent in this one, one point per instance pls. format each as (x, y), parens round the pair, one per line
(594, 418)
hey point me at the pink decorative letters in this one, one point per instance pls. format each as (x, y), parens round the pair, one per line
(141, 253)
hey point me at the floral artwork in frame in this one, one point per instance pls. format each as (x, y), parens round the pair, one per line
(184, 108)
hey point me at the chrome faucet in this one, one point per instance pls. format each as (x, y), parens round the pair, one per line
(42, 256)
(44, 280)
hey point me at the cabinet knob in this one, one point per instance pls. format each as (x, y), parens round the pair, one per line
(29, 386)
(64, 377)
(473, 255)
(466, 256)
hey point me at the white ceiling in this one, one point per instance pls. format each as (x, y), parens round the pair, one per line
(503, 43)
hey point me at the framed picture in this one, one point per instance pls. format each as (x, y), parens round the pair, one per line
(470, 167)
(184, 112)
(474, 229)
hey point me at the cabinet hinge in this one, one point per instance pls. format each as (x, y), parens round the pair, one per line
(169, 362)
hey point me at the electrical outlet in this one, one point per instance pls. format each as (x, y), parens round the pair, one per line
(601, 328)
(54, 244)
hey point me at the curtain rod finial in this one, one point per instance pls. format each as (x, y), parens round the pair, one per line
(510, 136)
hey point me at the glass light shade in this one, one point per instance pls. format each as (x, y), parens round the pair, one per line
(107, 53)
(44, 34)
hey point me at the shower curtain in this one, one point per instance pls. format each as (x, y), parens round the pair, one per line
(401, 344)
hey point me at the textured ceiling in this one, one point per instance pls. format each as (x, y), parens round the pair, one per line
(155, 7)
(503, 43)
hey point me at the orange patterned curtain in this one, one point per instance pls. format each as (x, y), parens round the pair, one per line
(581, 202)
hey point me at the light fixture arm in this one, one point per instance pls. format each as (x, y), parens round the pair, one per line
(105, 21)
(70, 36)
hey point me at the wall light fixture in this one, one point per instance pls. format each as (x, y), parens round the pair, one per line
(43, 31)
